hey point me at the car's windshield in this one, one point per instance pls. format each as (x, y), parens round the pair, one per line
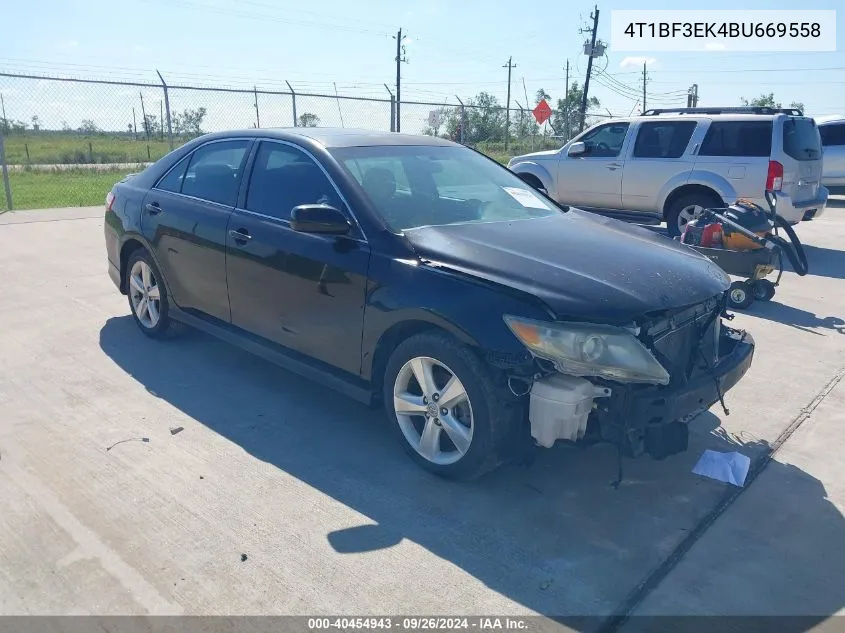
(419, 185)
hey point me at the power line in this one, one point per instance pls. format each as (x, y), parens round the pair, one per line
(743, 70)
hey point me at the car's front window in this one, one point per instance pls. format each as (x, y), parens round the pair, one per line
(419, 185)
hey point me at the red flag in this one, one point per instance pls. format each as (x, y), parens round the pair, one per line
(542, 112)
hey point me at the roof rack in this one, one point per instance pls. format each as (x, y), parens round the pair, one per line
(726, 110)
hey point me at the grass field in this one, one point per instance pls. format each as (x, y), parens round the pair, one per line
(83, 187)
(51, 148)
(68, 188)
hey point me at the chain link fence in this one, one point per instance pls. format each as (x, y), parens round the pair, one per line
(66, 141)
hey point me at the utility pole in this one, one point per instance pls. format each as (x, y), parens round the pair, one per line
(5, 120)
(134, 124)
(510, 66)
(644, 81)
(144, 117)
(594, 32)
(161, 117)
(566, 94)
(566, 104)
(400, 57)
(692, 96)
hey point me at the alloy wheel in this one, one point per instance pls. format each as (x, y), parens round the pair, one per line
(687, 215)
(433, 410)
(145, 294)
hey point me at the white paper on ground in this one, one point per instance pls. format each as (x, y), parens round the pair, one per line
(732, 468)
(526, 198)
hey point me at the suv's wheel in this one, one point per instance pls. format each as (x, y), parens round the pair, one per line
(686, 208)
(148, 297)
(447, 410)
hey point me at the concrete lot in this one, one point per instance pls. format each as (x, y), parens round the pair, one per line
(332, 516)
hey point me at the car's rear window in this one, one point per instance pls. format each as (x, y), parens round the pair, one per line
(801, 139)
(738, 138)
(832, 134)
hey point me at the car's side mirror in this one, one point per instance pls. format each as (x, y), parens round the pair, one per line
(577, 149)
(319, 218)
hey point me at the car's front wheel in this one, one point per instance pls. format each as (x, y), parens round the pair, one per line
(447, 410)
(148, 297)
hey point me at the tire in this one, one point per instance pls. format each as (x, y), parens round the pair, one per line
(143, 282)
(740, 295)
(764, 290)
(533, 181)
(488, 417)
(683, 209)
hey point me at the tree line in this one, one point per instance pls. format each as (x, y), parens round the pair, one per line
(187, 123)
(485, 118)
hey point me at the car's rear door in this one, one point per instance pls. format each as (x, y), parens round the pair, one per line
(660, 154)
(738, 150)
(303, 291)
(801, 156)
(185, 217)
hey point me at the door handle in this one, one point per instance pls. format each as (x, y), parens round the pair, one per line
(241, 236)
(613, 166)
(153, 208)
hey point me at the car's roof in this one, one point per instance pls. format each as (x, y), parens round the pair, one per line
(726, 116)
(831, 118)
(338, 137)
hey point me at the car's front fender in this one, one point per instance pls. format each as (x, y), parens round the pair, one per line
(409, 296)
(538, 169)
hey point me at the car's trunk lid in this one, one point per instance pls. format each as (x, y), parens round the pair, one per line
(802, 159)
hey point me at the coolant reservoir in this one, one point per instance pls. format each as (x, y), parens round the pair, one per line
(560, 406)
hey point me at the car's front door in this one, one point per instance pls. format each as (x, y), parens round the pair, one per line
(303, 291)
(185, 218)
(594, 178)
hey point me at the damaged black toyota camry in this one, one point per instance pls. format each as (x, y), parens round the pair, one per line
(416, 273)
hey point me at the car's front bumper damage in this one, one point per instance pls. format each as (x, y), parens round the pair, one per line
(653, 420)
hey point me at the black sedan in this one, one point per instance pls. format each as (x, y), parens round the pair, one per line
(417, 273)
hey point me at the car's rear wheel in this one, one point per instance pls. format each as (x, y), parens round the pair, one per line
(448, 411)
(687, 208)
(148, 297)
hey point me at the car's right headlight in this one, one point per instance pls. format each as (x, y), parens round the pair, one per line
(583, 349)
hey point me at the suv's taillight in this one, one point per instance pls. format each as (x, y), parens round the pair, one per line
(774, 179)
(109, 200)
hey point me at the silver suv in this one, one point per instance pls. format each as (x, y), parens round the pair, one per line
(670, 164)
(832, 130)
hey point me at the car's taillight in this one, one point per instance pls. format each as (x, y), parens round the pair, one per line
(109, 200)
(774, 179)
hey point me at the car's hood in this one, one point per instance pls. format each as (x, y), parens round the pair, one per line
(544, 155)
(583, 266)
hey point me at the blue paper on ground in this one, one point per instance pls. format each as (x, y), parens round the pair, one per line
(732, 468)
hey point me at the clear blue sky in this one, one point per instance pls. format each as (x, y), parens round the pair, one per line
(456, 48)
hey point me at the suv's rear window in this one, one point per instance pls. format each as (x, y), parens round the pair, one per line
(738, 138)
(832, 134)
(801, 139)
